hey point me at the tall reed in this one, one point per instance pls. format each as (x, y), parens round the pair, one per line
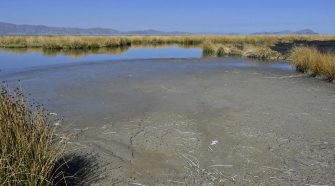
(87, 42)
(29, 149)
(308, 59)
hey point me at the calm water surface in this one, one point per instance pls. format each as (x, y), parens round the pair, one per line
(23, 59)
(16, 60)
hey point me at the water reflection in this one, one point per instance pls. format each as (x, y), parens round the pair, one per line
(66, 52)
(18, 59)
(85, 52)
(13, 59)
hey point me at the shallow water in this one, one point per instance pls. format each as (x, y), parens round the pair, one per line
(243, 121)
(247, 120)
(23, 59)
(16, 60)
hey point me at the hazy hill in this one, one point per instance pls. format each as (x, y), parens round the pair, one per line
(289, 32)
(14, 29)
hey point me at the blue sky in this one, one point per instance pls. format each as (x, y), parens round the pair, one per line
(210, 16)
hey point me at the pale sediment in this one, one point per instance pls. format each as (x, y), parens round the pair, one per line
(159, 122)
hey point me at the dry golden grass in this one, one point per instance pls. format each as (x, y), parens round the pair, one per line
(246, 50)
(310, 59)
(28, 147)
(209, 49)
(86, 42)
(251, 46)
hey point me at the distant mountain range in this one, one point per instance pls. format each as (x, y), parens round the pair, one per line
(15, 29)
(289, 32)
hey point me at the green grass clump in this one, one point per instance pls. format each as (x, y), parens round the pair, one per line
(29, 149)
(308, 59)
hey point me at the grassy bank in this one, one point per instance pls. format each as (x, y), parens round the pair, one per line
(266, 47)
(312, 61)
(29, 149)
(251, 46)
(86, 42)
(244, 50)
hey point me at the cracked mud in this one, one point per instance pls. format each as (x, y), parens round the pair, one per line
(195, 122)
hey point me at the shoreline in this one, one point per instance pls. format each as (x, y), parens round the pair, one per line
(147, 121)
(279, 47)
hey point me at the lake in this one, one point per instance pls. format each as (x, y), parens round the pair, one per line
(22, 59)
(148, 113)
(16, 60)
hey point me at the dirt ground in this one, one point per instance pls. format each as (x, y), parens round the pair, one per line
(227, 121)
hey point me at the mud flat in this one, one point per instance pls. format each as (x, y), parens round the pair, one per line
(194, 122)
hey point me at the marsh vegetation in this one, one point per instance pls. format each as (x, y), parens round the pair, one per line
(312, 61)
(87, 42)
(31, 152)
(273, 47)
(28, 146)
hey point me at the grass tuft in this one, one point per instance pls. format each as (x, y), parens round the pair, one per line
(308, 59)
(209, 49)
(28, 147)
